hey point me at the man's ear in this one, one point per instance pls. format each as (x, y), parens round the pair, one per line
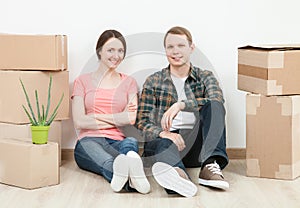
(192, 47)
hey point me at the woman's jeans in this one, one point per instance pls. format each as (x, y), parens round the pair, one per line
(96, 154)
(206, 140)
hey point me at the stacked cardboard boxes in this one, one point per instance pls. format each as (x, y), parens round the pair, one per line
(272, 75)
(32, 58)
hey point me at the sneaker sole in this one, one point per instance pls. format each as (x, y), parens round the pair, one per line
(137, 175)
(168, 177)
(120, 173)
(214, 183)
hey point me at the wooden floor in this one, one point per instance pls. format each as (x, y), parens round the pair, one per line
(82, 189)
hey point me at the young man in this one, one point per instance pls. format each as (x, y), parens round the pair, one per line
(182, 117)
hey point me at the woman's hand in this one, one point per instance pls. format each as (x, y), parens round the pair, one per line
(131, 110)
(131, 107)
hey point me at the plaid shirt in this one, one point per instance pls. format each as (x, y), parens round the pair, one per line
(159, 94)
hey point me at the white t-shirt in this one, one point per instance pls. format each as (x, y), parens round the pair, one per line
(183, 120)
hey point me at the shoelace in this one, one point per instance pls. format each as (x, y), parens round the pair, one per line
(214, 168)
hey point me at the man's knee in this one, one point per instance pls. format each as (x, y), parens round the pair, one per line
(213, 104)
(212, 107)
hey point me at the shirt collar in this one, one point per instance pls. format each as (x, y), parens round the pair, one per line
(167, 73)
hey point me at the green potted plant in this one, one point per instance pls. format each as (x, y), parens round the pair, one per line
(40, 122)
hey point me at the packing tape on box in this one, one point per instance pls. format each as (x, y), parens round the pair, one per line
(2, 170)
(63, 50)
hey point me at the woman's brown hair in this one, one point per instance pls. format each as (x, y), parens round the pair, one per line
(105, 36)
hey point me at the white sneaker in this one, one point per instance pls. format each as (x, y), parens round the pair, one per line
(137, 177)
(120, 173)
(169, 178)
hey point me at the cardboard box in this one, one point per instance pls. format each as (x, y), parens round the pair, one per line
(27, 165)
(273, 136)
(12, 95)
(33, 52)
(269, 70)
(20, 131)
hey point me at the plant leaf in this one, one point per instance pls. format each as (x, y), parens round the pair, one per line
(38, 107)
(49, 98)
(28, 103)
(43, 116)
(51, 119)
(31, 121)
(55, 111)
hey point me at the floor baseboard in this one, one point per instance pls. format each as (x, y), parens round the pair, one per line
(236, 153)
(67, 154)
(233, 153)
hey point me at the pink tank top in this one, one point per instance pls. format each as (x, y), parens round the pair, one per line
(103, 101)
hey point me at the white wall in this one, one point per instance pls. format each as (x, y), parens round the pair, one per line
(218, 28)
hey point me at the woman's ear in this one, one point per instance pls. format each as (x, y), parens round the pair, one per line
(99, 54)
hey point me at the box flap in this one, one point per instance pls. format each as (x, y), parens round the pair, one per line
(273, 47)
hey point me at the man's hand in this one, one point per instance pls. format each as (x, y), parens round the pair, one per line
(175, 138)
(167, 119)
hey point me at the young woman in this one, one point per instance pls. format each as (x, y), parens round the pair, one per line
(102, 101)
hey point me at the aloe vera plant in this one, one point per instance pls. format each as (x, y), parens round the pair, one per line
(42, 115)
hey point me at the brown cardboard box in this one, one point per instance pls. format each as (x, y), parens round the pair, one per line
(33, 52)
(27, 165)
(20, 131)
(12, 95)
(273, 136)
(269, 70)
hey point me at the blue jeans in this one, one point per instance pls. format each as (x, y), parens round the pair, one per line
(206, 140)
(96, 154)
